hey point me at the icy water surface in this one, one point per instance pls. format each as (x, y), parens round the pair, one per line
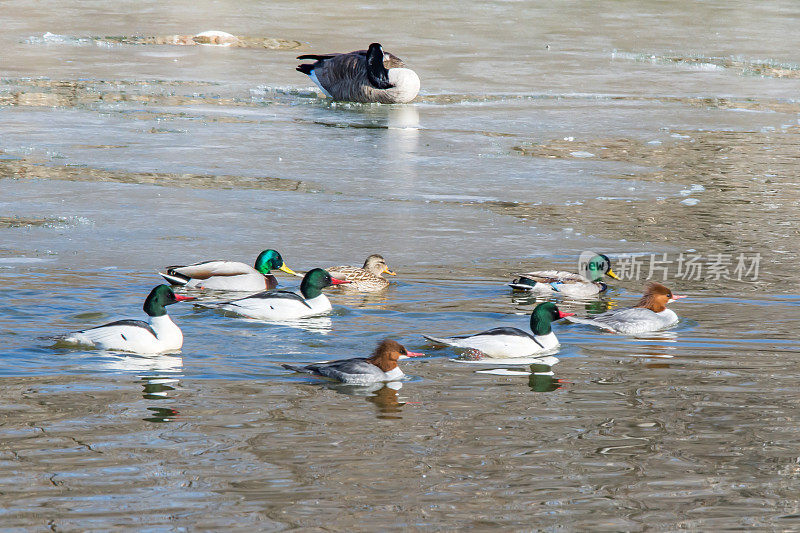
(541, 131)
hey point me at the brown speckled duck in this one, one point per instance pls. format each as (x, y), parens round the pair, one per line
(365, 279)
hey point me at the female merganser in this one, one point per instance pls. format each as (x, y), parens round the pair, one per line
(229, 275)
(381, 366)
(367, 76)
(159, 334)
(513, 342)
(547, 282)
(286, 305)
(366, 279)
(650, 314)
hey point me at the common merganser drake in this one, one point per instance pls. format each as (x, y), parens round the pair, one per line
(159, 334)
(367, 76)
(650, 314)
(512, 342)
(552, 282)
(287, 305)
(366, 279)
(229, 275)
(381, 366)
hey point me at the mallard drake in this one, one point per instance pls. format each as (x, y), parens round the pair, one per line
(512, 342)
(367, 76)
(554, 282)
(159, 334)
(229, 275)
(367, 278)
(650, 314)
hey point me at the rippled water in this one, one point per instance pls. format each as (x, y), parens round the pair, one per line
(541, 131)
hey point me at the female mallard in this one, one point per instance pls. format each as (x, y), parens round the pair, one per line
(367, 76)
(229, 275)
(547, 282)
(366, 279)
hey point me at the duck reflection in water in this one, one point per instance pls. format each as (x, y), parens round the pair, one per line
(159, 388)
(541, 378)
(383, 395)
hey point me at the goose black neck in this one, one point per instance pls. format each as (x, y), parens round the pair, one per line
(377, 74)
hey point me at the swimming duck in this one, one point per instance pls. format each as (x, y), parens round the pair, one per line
(287, 305)
(229, 275)
(650, 314)
(547, 282)
(366, 279)
(367, 76)
(513, 342)
(381, 366)
(159, 334)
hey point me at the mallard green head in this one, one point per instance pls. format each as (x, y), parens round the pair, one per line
(269, 260)
(543, 315)
(159, 297)
(315, 280)
(597, 266)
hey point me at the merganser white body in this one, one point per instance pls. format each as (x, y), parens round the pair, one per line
(381, 366)
(650, 314)
(229, 275)
(286, 305)
(158, 335)
(512, 342)
(558, 282)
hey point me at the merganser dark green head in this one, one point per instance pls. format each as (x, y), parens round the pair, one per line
(159, 297)
(269, 260)
(543, 315)
(315, 280)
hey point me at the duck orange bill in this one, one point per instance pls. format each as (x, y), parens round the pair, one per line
(180, 298)
(678, 296)
(414, 354)
(387, 271)
(335, 281)
(562, 314)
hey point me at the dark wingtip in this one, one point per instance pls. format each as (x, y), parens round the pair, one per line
(305, 68)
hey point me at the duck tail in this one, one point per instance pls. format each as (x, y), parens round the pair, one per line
(305, 68)
(590, 322)
(295, 368)
(174, 278)
(437, 340)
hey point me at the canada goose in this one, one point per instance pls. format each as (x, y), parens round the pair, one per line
(368, 76)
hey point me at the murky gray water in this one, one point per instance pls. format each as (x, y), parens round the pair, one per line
(541, 131)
